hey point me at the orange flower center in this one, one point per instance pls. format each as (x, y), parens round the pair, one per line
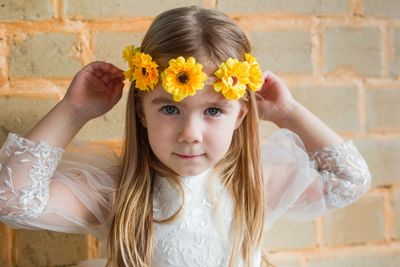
(235, 79)
(182, 77)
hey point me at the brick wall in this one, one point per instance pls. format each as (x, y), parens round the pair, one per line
(340, 58)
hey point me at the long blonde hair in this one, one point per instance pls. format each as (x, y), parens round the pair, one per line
(211, 37)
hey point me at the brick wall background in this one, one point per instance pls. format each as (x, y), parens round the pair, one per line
(340, 58)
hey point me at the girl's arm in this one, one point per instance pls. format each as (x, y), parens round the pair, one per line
(41, 190)
(312, 131)
(276, 104)
(95, 89)
(58, 127)
(309, 169)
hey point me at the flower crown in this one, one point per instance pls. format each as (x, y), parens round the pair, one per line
(183, 77)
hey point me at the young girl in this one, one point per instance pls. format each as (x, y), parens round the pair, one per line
(191, 187)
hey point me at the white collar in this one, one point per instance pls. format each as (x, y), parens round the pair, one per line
(199, 176)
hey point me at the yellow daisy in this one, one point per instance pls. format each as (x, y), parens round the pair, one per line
(142, 68)
(129, 52)
(145, 71)
(234, 76)
(183, 78)
(255, 72)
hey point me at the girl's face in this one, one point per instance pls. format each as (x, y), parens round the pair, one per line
(192, 135)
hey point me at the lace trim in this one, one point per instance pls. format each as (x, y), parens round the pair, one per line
(344, 172)
(30, 200)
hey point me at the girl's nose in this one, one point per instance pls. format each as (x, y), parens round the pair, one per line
(190, 131)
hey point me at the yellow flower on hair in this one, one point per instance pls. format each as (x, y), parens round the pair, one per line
(129, 52)
(183, 78)
(255, 72)
(233, 75)
(145, 72)
(142, 68)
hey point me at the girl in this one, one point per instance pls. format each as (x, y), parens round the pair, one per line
(191, 187)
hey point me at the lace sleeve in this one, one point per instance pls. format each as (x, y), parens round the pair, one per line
(302, 185)
(344, 173)
(46, 187)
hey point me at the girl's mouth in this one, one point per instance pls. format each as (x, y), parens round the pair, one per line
(189, 156)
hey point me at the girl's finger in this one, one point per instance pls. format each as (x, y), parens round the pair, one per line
(115, 70)
(115, 82)
(102, 66)
(106, 67)
(97, 65)
(98, 74)
(266, 81)
(106, 79)
(266, 74)
(118, 74)
(117, 87)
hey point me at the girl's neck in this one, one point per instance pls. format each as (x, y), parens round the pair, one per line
(198, 176)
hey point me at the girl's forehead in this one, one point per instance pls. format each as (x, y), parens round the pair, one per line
(206, 95)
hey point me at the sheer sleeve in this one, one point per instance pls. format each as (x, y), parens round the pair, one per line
(302, 185)
(46, 187)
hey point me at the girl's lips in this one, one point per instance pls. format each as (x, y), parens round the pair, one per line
(188, 157)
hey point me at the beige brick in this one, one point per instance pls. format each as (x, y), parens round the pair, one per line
(366, 257)
(336, 106)
(5, 245)
(112, 51)
(2, 43)
(320, 7)
(121, 8)
(396, 213)
(382, 157)
(353, 49)
(395, 66)
(382, 106)
(45, 54)
(109, 126)
(285, 260)
(3, 59)
(283, 51)
(354, 224)
(285, 234)
(387, 8)
(46, 248)
(25, 10)
(20, 114)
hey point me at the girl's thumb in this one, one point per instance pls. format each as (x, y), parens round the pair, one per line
(266, 79)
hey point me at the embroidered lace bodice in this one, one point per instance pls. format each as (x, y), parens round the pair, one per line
(46, 187)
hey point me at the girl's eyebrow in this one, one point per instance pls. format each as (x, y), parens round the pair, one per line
(164, 100)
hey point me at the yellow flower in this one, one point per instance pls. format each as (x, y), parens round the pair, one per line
(234, 76)
(183, 78)
(255, 72)
(145, 72)
(129, 52)
(128, 74)
(142, 68)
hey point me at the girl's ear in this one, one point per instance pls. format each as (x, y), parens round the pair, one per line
(143, 121)
(140, 113)
(242, 114)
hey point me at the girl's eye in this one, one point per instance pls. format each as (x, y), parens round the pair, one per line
(214, 111)
(169, 110)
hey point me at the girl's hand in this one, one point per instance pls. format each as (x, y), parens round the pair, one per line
(274, 100)
(94, 90)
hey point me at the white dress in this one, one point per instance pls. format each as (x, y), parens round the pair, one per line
(45, 187)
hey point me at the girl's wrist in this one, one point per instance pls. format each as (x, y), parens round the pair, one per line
(289, 114)
(73, 115)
